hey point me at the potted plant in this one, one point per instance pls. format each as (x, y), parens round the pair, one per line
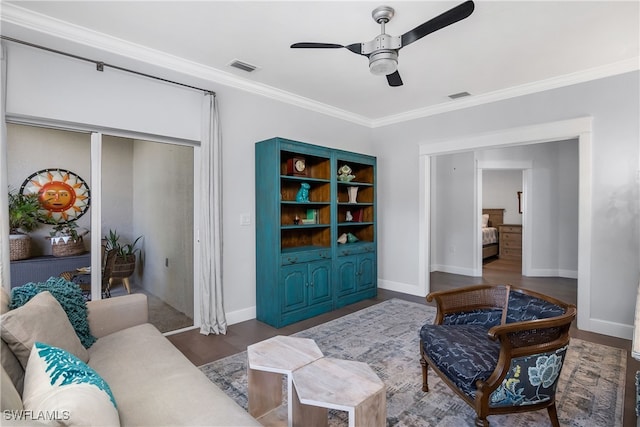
(65, 240)
(25, 215)
(125, 255)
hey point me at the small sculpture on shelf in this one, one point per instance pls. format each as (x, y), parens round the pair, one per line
(344, 174)
(303, 193)
(348, 216)
(347, 238)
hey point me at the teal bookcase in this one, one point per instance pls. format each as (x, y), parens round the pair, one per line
(303, 268)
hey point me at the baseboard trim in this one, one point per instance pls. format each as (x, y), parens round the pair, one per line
(454, 270)
(614, 329)
(404, 288)
(542, 272)
(241, 315)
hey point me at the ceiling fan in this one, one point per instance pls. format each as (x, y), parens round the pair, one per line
(383, 50)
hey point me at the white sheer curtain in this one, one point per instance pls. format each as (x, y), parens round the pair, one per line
(210, 275)
(4, 179)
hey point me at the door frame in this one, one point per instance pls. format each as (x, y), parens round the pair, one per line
(96, 133)
(579, 128)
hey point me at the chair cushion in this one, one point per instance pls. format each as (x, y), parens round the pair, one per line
(524, 307)
(484, 317)
(448, 347)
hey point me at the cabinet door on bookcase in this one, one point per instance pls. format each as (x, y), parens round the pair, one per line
(294, 285)
(306, 284)
(320, 283)
(366, 272)
(346, 275)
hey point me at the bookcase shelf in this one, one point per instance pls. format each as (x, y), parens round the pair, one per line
(301, 269)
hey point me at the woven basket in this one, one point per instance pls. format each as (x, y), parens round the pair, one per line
(67, 249)
(123, 266)
(19, 247)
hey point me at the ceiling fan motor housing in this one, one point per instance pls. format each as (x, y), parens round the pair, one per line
(383, 62)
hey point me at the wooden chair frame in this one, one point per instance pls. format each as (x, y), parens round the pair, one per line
(516, 340)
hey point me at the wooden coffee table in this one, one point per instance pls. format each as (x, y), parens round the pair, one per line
(269, 361)
(338, 384)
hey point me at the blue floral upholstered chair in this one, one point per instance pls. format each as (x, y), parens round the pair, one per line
(499, 348)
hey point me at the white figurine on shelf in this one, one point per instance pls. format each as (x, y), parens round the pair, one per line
(348, 216)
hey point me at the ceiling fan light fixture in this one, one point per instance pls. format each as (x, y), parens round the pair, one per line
(383, 63)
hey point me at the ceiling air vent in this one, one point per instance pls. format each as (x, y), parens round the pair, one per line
(242, 66)
(459, 95)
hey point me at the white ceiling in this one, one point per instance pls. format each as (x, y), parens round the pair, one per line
(503, 49)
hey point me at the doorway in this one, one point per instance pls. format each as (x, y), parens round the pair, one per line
(501, 188)
(147, 193)
(579, 129)
(138, 187)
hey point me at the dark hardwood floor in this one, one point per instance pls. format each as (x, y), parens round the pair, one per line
(201, 349)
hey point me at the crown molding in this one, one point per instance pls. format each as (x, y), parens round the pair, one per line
(52, 27)
(608, 70)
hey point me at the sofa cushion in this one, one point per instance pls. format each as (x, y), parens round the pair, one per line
(41, 319)
(64, 389)
(9, 396)
(464, 353)
(4, 301)
(70, 297)
(12, 366)
(154, 384)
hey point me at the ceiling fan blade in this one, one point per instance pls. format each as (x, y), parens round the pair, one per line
(449, 17)
(394, 79)
(312, 45)
(355, 47)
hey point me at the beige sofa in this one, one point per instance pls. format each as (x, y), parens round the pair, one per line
(152, 382)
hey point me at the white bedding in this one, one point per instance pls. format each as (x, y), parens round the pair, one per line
(489, 235)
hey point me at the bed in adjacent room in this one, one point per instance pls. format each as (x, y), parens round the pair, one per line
(491, 219)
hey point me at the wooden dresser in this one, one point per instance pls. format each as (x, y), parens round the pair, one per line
(510, 237)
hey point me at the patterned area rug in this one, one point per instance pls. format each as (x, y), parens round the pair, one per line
(590, 392)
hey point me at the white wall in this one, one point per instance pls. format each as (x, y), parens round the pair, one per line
(553, 211)
(31, 149)
(453, 214)
(117, 192)
(72, 91)
(163, 216)
(612, 102)
(247, 119)
(500, 190)
(108, 99)
(614, 105)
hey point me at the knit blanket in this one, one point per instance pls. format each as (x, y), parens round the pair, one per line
(70, 297)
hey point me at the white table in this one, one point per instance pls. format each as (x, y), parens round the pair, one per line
(338, 384)
(269, 361)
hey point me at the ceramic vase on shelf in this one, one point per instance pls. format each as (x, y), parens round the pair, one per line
(353, 194)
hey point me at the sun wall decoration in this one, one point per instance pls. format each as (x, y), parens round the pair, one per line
(63, 195)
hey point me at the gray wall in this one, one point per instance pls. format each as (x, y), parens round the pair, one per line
(500, 190)
(246, 118)
(614, 105)
(553, 209)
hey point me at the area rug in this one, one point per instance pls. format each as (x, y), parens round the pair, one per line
(590, 391)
